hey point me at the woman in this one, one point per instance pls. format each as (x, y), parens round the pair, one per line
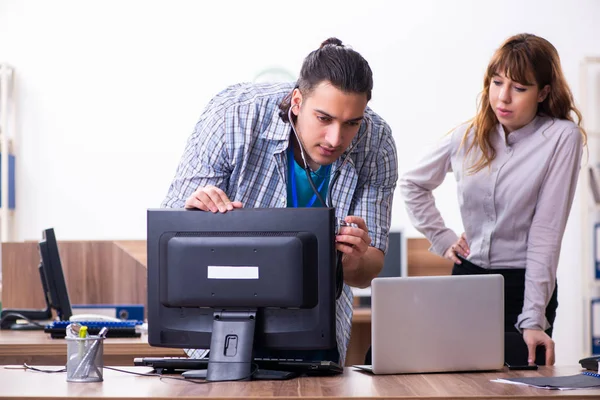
(516, 165)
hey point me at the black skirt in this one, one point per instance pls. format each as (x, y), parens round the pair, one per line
(515, 349)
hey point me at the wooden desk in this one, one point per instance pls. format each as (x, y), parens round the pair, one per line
(37, 348)
(21, 384)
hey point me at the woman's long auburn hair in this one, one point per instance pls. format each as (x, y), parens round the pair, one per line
(526, 59)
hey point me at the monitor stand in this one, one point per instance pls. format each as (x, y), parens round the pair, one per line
(230, 356)
(231, 345)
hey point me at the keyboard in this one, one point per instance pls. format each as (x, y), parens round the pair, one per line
(175, 365)
(120, 329)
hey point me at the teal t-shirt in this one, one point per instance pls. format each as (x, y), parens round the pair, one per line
(298, 183)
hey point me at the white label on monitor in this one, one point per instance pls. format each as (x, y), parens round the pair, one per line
(227, 272)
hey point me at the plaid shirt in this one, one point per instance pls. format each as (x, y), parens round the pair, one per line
(239, 145)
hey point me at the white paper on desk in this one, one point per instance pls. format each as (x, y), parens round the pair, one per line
(525, 384)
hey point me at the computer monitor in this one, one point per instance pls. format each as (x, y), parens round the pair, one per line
(240, 281)
(54, 287)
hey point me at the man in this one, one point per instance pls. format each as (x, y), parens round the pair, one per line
(246, 152)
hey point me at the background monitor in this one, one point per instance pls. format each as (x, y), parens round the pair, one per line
(241, 281)
(394, 265)
(57, 293)
(53, 285)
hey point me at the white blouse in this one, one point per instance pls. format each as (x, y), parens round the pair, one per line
(514, 212)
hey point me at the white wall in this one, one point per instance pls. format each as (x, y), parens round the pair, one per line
(110, 90)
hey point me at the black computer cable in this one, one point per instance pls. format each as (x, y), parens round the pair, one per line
(12, 317)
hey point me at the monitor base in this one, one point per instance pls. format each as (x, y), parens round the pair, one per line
(259, 375)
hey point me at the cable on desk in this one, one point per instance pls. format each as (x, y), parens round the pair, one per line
(161, 376)
(201, 382)
(20, 316)
(29, 367)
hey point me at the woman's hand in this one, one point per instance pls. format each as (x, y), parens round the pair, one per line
(534, 338)
(461, 247)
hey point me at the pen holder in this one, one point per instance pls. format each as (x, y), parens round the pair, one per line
(85, 359)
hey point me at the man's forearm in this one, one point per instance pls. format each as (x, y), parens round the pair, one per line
(369, 266)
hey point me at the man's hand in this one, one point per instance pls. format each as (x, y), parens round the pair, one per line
(461, 247)
(535, 337)
(211, 198)
(353, 242)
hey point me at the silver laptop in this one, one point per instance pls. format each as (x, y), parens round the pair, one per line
(437, 324)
